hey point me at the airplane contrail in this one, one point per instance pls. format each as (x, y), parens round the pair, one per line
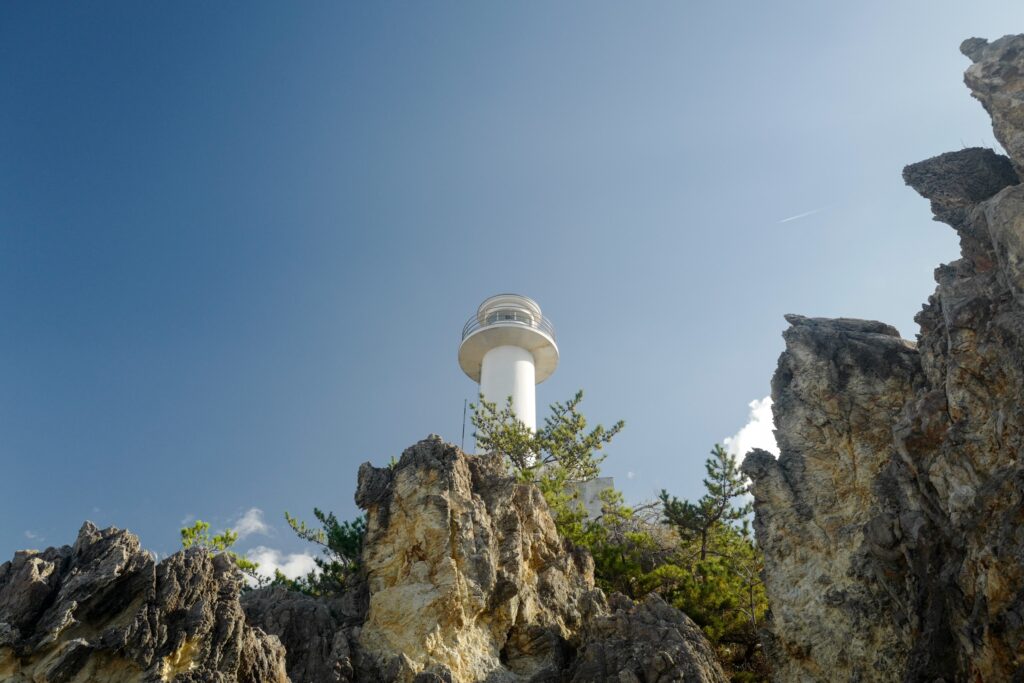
(805, 214)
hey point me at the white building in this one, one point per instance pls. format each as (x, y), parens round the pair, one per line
(508, 347)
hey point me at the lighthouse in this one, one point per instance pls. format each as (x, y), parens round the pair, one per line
(508, 347)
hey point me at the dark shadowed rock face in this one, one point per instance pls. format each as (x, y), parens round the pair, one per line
(318, 634)
(893, 520)
(103, 611)
(647, 641)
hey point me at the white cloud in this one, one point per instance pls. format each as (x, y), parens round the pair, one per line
(756, 433)
(251, 522)
(630, 475)
(292, 565)
(33, 536)
(187, 520)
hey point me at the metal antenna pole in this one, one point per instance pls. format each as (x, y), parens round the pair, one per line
(462, 446)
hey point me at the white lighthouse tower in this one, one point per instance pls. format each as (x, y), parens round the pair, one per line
(509, 347)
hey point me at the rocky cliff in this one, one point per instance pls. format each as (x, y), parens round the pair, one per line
(103, 610)
(467, 575)
(465, 579)
(893, 520)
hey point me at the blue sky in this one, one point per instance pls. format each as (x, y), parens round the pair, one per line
(238, 241)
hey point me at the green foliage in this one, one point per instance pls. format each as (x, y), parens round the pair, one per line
(561, 443)
(624, 547)
(715, 508)
(341, 545)
(498, 430)
(715, 576)
(699, 556)
(198, 536)
(564, 439)
(565, 505)
(723, 592)
(562, 453)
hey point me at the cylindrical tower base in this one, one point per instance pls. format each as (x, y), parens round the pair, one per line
(509, 371)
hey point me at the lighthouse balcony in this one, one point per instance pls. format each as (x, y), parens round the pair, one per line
(508, 320)
(509, 317)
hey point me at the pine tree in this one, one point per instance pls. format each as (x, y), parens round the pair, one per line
(723, 483)
(342, 546)
(562, 442)
(716, 576)
(198, 536)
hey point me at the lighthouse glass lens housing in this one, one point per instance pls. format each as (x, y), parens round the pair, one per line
(509, 315)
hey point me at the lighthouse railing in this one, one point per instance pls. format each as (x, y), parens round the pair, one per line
(509, 317)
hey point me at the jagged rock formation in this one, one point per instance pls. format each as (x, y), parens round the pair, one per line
(465, 580)
(468, 581)
(102, 611)
(893, 520)
(466, 571)
(839, 387)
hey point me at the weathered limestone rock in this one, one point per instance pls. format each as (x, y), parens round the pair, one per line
(465, 580)
(996, 79)
(467, 575)
(892, 520)
(103, 611)
(469, 581)
(839, 387)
